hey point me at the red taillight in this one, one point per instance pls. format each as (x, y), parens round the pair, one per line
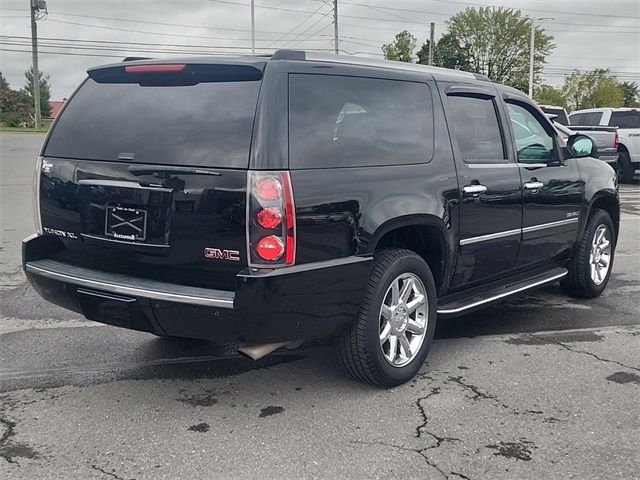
(616, 140)
(155, 68)
(269, 217)
(268, 189)
(271, 240)
(270, 248)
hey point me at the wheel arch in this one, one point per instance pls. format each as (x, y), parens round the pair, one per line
(427, 235)
(608, 202)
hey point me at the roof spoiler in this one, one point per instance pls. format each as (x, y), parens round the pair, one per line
(133, 59)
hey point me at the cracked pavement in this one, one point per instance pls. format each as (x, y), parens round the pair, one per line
(537, 387)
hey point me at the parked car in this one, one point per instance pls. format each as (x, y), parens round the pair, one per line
(628, 122)
(267, 201)
(606, 139)
(559, 112)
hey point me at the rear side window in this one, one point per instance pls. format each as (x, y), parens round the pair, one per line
(205, 124)
(474, 122)
(339, 121)
(625, 119)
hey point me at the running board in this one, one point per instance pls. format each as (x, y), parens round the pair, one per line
(459, 306)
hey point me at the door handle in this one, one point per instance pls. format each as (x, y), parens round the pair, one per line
(475, 189)
(533, 185)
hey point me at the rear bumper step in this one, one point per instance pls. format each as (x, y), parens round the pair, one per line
(463, 305)
(126, 285)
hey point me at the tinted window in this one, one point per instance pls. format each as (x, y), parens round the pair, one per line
(560, 115)
(474, 122)
(533, 142)
(337, 121)
(625, 119)
(589, 119)
(207, 124)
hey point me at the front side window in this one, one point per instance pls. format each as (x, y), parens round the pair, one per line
(475, 126)
(339, 121)
(533, 142)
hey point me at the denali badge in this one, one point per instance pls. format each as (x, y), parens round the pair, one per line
(231, 255)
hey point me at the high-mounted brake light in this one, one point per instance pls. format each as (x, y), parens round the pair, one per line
(155, 68)
(271, 239)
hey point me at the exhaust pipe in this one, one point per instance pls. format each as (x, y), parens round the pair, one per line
(256, 352)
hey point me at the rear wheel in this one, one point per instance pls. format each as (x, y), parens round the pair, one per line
(590, 268)
(625, 168)
(394, 330)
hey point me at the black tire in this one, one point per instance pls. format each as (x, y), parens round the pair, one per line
(624, 168)
(578, 282)
(359, 348)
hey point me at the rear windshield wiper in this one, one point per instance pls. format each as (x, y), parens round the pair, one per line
(150, 170)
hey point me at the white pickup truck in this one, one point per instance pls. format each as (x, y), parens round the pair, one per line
(628, 122)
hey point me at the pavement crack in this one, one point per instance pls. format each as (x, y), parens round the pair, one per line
(475, 390)
(584, 352)
(419, 451)
(111, 474)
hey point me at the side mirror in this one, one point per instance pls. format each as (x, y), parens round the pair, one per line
(580, 146)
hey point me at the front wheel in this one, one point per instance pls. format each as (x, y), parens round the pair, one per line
(394, 330)
(590, 267)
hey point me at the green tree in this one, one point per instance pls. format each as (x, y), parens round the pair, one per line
(401, 49)
(497, 42)
(630, 94)
(549, 95)
(448, 53)
(593, 89)
(45, 90)
(4, 85)
(15, 108)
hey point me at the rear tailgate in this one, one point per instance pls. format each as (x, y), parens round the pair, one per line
(145, 172)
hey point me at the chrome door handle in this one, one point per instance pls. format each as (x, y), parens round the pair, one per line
(474, 189)
(533, 185)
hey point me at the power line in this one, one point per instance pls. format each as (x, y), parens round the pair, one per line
(303, 21)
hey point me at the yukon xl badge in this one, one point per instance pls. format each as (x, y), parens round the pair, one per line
(216, 253)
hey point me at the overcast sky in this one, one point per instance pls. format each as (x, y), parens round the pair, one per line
(79, 34)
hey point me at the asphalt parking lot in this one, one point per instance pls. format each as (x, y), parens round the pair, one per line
(539, 387)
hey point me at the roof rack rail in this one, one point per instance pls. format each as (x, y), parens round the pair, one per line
(133, 59)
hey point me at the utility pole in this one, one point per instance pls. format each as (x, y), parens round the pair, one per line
(253, 28)
(33, 7)
(432, 35)
(533, 47)
(531, 52)
(335, 28)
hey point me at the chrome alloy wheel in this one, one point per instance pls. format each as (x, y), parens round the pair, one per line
(403, 319)
(600, 256)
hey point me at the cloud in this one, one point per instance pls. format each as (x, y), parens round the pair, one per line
(607, 37)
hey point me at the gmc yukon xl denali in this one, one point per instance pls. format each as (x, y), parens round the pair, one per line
(267, 201)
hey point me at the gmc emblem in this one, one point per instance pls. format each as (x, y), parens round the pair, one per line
(231, 255)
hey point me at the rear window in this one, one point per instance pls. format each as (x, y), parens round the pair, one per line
(171, 122)
(625, 119)
(591, 119)
(340, 121)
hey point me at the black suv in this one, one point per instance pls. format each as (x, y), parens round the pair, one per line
(266, 201)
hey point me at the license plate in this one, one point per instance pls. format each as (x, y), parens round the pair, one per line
(126, 224)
